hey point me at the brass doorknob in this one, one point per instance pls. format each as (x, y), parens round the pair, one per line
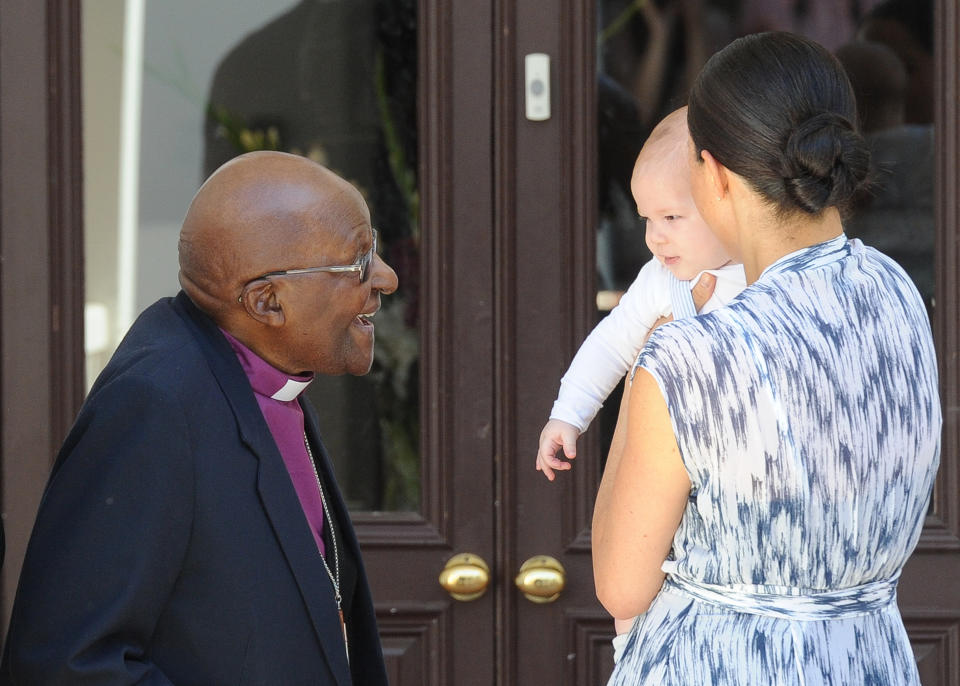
(465, 576)
(541, 579)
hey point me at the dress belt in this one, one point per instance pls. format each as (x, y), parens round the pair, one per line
(796, 604)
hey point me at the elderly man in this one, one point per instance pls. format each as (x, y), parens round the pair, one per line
(192, 531)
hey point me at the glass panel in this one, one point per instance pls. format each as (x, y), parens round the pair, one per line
(650, 50)
(174, 89)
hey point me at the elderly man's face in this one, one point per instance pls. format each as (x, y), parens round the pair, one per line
(328, 328)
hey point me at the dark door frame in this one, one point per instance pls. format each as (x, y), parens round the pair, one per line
(41, 245)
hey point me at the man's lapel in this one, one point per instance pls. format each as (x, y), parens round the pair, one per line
(290, 526)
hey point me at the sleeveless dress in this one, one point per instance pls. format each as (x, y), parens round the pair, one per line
(808, 419)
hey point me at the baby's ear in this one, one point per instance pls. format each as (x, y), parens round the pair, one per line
(716, 174)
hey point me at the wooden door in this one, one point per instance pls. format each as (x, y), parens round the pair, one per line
(508, 242)
(550, 202)
(428, 637)
(508, 272)
(547, 287)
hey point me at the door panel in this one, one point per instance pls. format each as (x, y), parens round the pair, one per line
(553, 204)
(547, 282)
(394, 95)
(429, 637)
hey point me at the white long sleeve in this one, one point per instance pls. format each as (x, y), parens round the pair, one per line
(613, 345)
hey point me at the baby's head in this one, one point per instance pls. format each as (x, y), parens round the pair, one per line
(676, 233)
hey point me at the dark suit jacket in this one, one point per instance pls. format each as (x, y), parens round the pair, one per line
(170, 546)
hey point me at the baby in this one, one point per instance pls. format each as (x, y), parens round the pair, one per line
(683, 248)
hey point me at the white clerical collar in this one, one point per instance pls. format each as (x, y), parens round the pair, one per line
(290, 390)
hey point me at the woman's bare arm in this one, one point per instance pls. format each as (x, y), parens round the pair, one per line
(641, 499)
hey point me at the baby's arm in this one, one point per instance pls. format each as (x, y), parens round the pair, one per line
(604, 359)
(611, 348)
(600, 363)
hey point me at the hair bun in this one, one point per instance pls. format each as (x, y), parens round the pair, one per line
(824, 162)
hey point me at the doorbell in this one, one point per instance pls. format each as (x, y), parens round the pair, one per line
(537, 70)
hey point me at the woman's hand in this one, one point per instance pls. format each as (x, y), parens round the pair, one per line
(701, 293)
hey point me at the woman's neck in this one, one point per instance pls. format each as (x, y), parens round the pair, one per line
(765, 239)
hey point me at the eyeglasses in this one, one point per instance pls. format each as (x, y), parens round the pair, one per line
(361, 266)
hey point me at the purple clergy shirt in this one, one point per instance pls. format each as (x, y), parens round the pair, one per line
(277, 394)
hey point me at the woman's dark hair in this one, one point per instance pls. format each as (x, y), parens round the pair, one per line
(778, 110)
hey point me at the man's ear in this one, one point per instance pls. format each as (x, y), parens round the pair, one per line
(717, 175)
(261, 302)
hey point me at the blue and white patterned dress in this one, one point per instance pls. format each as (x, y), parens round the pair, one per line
(808, 418)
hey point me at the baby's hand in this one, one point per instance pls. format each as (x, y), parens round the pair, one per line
(556, 435)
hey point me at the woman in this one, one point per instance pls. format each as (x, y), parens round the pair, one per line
(774, 459)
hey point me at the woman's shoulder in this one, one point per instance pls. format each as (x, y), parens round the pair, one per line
(690, 341)
(867, 254)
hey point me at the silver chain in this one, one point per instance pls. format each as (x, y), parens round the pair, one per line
(334, 578)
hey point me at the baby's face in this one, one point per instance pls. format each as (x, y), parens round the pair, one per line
(676, 233)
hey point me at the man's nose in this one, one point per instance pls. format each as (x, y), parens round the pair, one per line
(382, 276)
